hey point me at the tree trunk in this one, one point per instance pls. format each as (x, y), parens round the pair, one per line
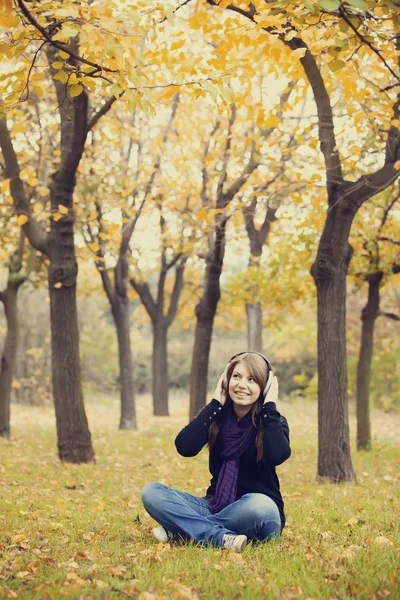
(329, 272)
(205, 314)
(160, 368)
(254, 326)
(120, 310)
(368, 317)
(9, 298)
(74, 439)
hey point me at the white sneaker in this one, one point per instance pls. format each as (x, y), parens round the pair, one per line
(163, 535)
(236, 543)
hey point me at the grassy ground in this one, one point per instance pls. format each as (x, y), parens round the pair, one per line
(80, 531)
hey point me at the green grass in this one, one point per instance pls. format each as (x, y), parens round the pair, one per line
(80, 532)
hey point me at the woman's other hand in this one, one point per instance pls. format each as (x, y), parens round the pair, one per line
(273, 392)
(220, 393)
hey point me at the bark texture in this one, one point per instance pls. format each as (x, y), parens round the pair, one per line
(120, 311)
(205, 313)
(254, 326)
(9, 299)
(155, 307)
(160, 382)
(329, 272)
(257, 238)
(368, 317)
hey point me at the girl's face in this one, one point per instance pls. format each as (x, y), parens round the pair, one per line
(243, 389)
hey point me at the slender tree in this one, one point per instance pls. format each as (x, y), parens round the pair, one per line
(378, 270)
(8, 296)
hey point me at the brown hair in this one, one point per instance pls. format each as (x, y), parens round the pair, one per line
(258, 369)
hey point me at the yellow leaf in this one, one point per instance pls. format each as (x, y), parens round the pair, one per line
(32, 180)
(94, 247)
(57, 65)
(22, 219)
(299, 52)
(63, 209)
(56, 216)
(75, 90)
(22, 574)
(43, 191)
(61, 76)
(101, 584)
(5, 186)
(18, 538)
(177, 45)
(103, 236)
(169, 92)
(397, 165)
(58, 285)
(118, 571)
(73, 78)
(382, 541)
(63, 54)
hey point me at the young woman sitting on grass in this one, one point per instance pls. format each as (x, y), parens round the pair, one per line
(247, 439)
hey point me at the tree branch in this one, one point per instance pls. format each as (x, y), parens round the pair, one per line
(176, 292)
(324, 109)
(343, 14)
(389, 315)
(102, 111)
(143, 290)
(226, 155)
(60, 45)
(391, 241)
(21, 202)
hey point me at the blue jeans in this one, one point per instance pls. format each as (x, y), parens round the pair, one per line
(254, 515)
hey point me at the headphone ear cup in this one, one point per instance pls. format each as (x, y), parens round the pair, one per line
(268, 384)
(225, 380)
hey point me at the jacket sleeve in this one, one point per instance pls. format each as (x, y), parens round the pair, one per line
(276, 441)
(194, 436)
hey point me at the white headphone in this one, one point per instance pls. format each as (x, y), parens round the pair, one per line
(269, 378)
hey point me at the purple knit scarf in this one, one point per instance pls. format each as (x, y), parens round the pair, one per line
(236, 437)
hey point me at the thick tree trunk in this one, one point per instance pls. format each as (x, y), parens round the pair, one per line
(205, 314)
(9, 298)
(120, 310)
(74, 439)
(368, 317)
(160, 367)
(329, 272)
(254, 326)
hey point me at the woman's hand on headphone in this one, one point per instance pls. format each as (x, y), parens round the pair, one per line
(219, 393)
(273, 392)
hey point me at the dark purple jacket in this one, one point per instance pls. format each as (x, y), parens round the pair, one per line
(259, 477)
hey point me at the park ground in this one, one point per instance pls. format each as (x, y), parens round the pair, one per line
(80, 532)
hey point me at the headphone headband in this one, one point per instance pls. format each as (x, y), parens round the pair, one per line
(270, 371)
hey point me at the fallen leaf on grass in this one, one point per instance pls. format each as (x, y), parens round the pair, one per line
(351, 522)
(381, 540)
(147, 596)
(351, 551)
(76, 579)
(290, 593)
(185, 592)
(118, 571)
(102, 585)
(18, 538)
(22, 574)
